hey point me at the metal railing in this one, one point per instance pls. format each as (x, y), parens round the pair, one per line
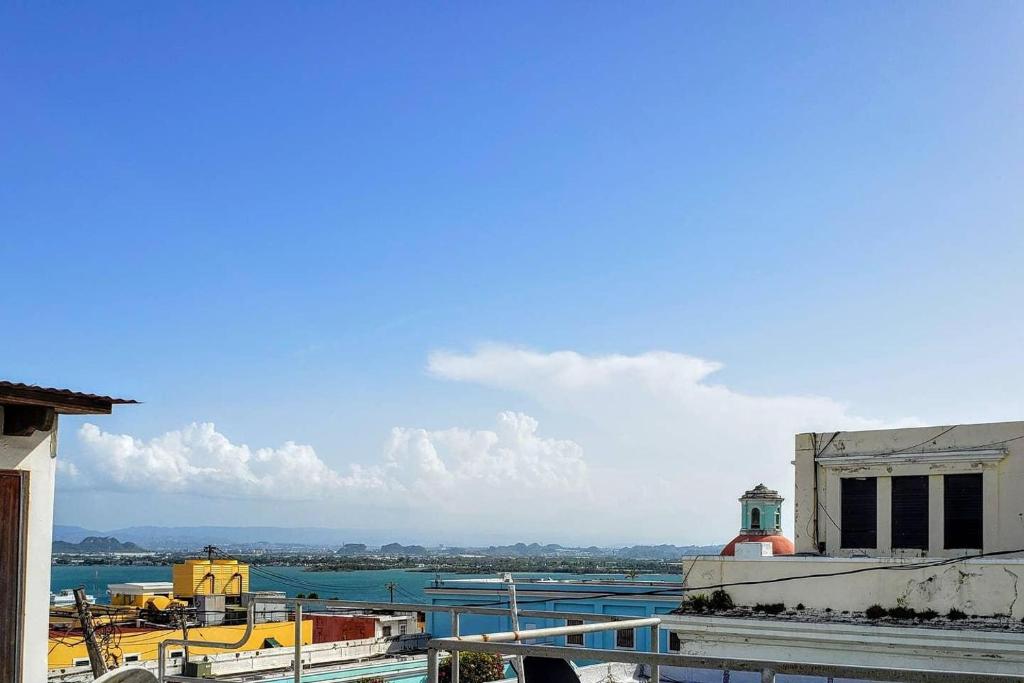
(511, 643)
(455, 611)
(499, 644)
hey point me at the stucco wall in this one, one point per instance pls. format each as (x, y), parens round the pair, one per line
(982, 587)
(35, 454)
(993, 449)
(848, 644)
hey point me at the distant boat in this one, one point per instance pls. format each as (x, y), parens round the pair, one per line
(67, 597)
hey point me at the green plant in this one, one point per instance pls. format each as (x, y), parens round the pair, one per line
(313, 596)
(901, 612)
(955, 615)
(875, 612)
(800, 606)
(372, 679)
(300, 595)
(698, 602)
(770, 608)
(474, 667)
(720, 601)
(927, 615)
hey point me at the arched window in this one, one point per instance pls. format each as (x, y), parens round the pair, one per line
(755, 518)
(778, 519)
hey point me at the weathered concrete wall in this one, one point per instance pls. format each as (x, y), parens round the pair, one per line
(849, 644)
(993, 449)
(35, 454)
(982, 587)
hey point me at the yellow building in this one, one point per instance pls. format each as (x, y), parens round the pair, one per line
(137, 645)
(139, 594)
(210, 577)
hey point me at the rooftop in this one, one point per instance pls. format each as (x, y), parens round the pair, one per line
(63, 401)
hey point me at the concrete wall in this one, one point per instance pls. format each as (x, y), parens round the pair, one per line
(991, 449)
(847, 644)
(982, 587)
(35, 454)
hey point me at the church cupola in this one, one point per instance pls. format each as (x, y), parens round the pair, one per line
(761, 521)
(761, 510)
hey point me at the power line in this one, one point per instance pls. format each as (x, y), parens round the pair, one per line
(861, 570)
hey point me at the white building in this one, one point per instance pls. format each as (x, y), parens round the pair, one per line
(881, 514)
(28, 448)
(924, 492)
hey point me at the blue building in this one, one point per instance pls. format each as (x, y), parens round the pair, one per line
(588, 596)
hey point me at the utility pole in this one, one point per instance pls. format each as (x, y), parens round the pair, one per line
(99, 667)
(391, 586)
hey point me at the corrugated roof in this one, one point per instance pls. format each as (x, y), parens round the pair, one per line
(61, 400)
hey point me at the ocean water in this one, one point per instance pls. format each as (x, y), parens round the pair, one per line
(370, 584)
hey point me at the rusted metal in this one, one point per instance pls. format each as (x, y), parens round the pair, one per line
(63, 401)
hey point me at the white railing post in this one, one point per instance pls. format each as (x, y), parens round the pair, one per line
(432, 667)
(655, 648)
(297, 663)
(455, 655)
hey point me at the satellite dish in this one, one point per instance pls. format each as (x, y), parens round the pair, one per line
(128, 674)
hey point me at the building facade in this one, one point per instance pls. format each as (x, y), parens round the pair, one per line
(943, 491)
(28, 449)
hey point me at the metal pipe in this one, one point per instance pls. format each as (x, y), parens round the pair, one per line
(858, 672)
(506, 636)
(422, 607)
(161, 648)
(655, 648)
(297, 661)
(455, 655)
(432, 667)
(513, 609)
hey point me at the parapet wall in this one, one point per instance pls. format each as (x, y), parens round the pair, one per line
(977, 587)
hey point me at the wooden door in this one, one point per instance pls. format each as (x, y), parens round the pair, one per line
(13, 506)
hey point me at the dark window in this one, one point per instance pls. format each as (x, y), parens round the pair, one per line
(673, 642)
(625, 639)
(859, 513)
(755, 519)
(778, 519)
(385, 631)
(910, 512)
(131, 658)
(574, 639)
(963, 517)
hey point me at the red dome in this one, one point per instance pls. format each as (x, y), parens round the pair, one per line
(780, 544)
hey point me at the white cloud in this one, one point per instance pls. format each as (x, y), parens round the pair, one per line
(672, 449)
(419, 468)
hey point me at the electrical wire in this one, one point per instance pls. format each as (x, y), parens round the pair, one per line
(904, 567)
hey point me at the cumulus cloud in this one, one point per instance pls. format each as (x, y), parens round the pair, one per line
(674, 448)
(418, 467)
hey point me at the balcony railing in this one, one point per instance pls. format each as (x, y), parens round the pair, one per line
(511, 643)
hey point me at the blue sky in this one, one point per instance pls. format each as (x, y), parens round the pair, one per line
(268, 218)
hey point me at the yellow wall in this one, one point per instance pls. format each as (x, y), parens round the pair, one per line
(65, 650)
(193, 578)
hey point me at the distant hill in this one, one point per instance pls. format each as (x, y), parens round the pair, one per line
(97, 544)
(354, 542)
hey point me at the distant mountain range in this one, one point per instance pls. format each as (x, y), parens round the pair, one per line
(340, 541)
(97, 544)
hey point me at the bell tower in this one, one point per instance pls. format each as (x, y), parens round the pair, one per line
(761, 510)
